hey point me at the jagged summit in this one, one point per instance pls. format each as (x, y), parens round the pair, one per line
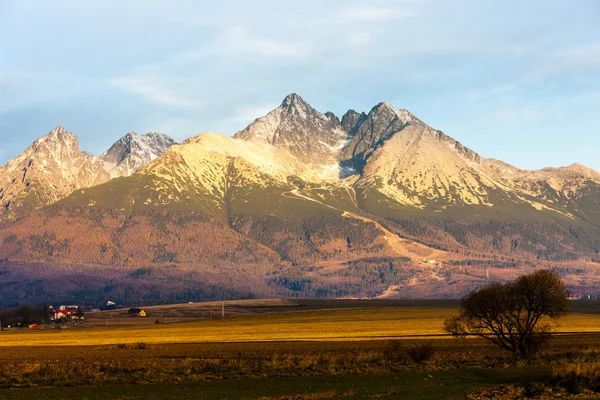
(312, 137)
(386, 151)
(48, 170)
(390, 112)
(370, 131)
(351, 120)
(133, 151)
(59, 135)
(53, 166)
(293, 100)
(293, 106)
(343, 148)
(57, 131)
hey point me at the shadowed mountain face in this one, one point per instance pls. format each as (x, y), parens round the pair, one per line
(303, 203)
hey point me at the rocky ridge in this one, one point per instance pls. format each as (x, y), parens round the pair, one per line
(133, 152)
(54, 166)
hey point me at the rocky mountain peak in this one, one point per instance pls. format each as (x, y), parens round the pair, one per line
(59, 130)
(130, 136)
(133, 151)
(370, 131)
(351, 120)
(54, 166)
(293, 106)
(293, 100)
(59, 145)
(58, 133)
(48, 170)
(309, 135)
(389, 113)
(332, 117)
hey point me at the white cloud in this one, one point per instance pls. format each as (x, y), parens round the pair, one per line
(372, 14)
(239, 41)
(359, 38)
(505, 115)
(583, 57)
(146, 86)
(528, 113)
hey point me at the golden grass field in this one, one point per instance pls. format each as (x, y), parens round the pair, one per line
(315, 325)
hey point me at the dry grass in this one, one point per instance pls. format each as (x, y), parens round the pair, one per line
(577, 371)
(347, 324)
(329, 325)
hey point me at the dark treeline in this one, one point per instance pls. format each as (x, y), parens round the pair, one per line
(24, 315)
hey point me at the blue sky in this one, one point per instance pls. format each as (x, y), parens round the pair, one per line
(514, 80)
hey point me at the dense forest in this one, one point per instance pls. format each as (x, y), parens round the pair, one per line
(90, 255)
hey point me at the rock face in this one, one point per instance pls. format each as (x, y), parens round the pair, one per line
(311, 137)
(54, 166)
(351, 120)
(133, 152)
(388, 158)
(372, 130)
(48, 170)
(395, 155)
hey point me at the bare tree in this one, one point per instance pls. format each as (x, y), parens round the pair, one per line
(514, 315)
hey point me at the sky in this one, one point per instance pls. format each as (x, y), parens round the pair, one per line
(513, 80)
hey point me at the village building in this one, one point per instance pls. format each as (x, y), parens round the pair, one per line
(60, 314)
(69, 307)
(70, 312)
(137, 312)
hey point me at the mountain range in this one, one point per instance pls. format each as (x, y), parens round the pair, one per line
(298, 203)
(53, 167)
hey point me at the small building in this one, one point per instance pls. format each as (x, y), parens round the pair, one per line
(67, 314)
(68, 307)
(137, 312)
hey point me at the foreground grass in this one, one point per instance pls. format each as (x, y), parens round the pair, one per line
(319, 354)
(341, 324)
(407, 386)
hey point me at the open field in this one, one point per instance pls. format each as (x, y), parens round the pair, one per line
(237, 308)
(268, 323)
(406, 386)
(282, 351)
